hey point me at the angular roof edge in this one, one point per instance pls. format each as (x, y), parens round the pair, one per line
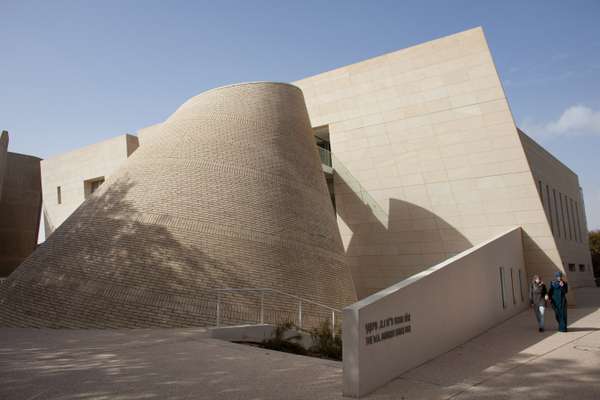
(479, 27)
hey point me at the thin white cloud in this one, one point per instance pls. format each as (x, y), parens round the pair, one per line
(577, 119)
(574, 121)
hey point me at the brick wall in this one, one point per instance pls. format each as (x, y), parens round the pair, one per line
(230, 194)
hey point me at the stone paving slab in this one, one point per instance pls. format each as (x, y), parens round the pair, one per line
(514, 361)
(510, 361)
(154, 364)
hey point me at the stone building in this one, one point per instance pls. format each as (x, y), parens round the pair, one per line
(20, 205)
(231, 195)
(421, 160)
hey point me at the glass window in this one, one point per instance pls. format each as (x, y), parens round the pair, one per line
(58, 195)
(572, 267)
(581, 267)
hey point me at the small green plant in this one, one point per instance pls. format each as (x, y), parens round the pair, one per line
(324, 343)
(281, 341)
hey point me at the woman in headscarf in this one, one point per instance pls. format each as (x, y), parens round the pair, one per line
(558, 297)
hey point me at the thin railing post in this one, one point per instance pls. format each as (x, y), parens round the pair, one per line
(300, 314)
(218, 309)
(262, 307)
(333, 324)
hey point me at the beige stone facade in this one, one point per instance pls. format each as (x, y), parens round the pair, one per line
(428, 134)
(230, 195)
(427, 163)
(562, 200)
(148, 134)
(68, 179)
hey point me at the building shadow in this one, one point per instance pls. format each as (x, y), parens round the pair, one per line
(505, 346)
(152, 364)
(389, 246)
(110, 265)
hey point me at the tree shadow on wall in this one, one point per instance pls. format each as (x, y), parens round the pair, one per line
(413, 240)
(111, 265)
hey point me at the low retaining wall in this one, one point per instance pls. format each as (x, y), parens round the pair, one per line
(432, 312)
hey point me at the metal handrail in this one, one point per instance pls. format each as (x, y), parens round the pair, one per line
(359, 190)
(325, 156)
(262, 311)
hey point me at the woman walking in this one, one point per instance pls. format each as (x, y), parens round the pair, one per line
(558, 297)
(538, 295)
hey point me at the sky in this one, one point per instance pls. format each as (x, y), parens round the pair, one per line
(73, 73)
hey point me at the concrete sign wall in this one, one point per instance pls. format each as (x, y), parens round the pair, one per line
(432, 312)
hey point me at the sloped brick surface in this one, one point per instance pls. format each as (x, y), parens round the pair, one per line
(231, 194)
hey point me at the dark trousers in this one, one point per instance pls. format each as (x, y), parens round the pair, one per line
(560, 312)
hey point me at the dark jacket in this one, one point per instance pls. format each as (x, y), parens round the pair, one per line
(537, 294)
(558, 294)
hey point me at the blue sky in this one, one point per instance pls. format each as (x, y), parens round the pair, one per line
(75, 72)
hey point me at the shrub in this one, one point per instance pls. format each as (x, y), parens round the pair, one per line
(281, 341)
(324, 344)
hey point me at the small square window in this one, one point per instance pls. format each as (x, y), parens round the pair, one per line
(91, 185)
(572, 267)
(581, 267)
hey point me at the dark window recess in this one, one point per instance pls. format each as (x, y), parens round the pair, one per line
(521, 285)
(512, 285)
(95, 185)
(91, 185)
(556, 212)
(581, 267)
(549, 209)
(502, 287)
(562, 215)
(572, 267)
(58, 195)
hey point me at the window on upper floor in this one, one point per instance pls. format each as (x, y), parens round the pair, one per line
(91, 185)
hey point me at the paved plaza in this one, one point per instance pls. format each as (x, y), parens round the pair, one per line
(510, 361)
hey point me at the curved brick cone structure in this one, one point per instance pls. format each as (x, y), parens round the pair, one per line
(231, 194)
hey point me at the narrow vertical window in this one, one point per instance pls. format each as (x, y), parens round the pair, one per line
(568, 217)
(502, 287)
(549, 209)
(521, 285)
(556, 212)
(540, 191)
(512, 285)
(58, 195)
(574, 220)
(578, 223)
(562, 215)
